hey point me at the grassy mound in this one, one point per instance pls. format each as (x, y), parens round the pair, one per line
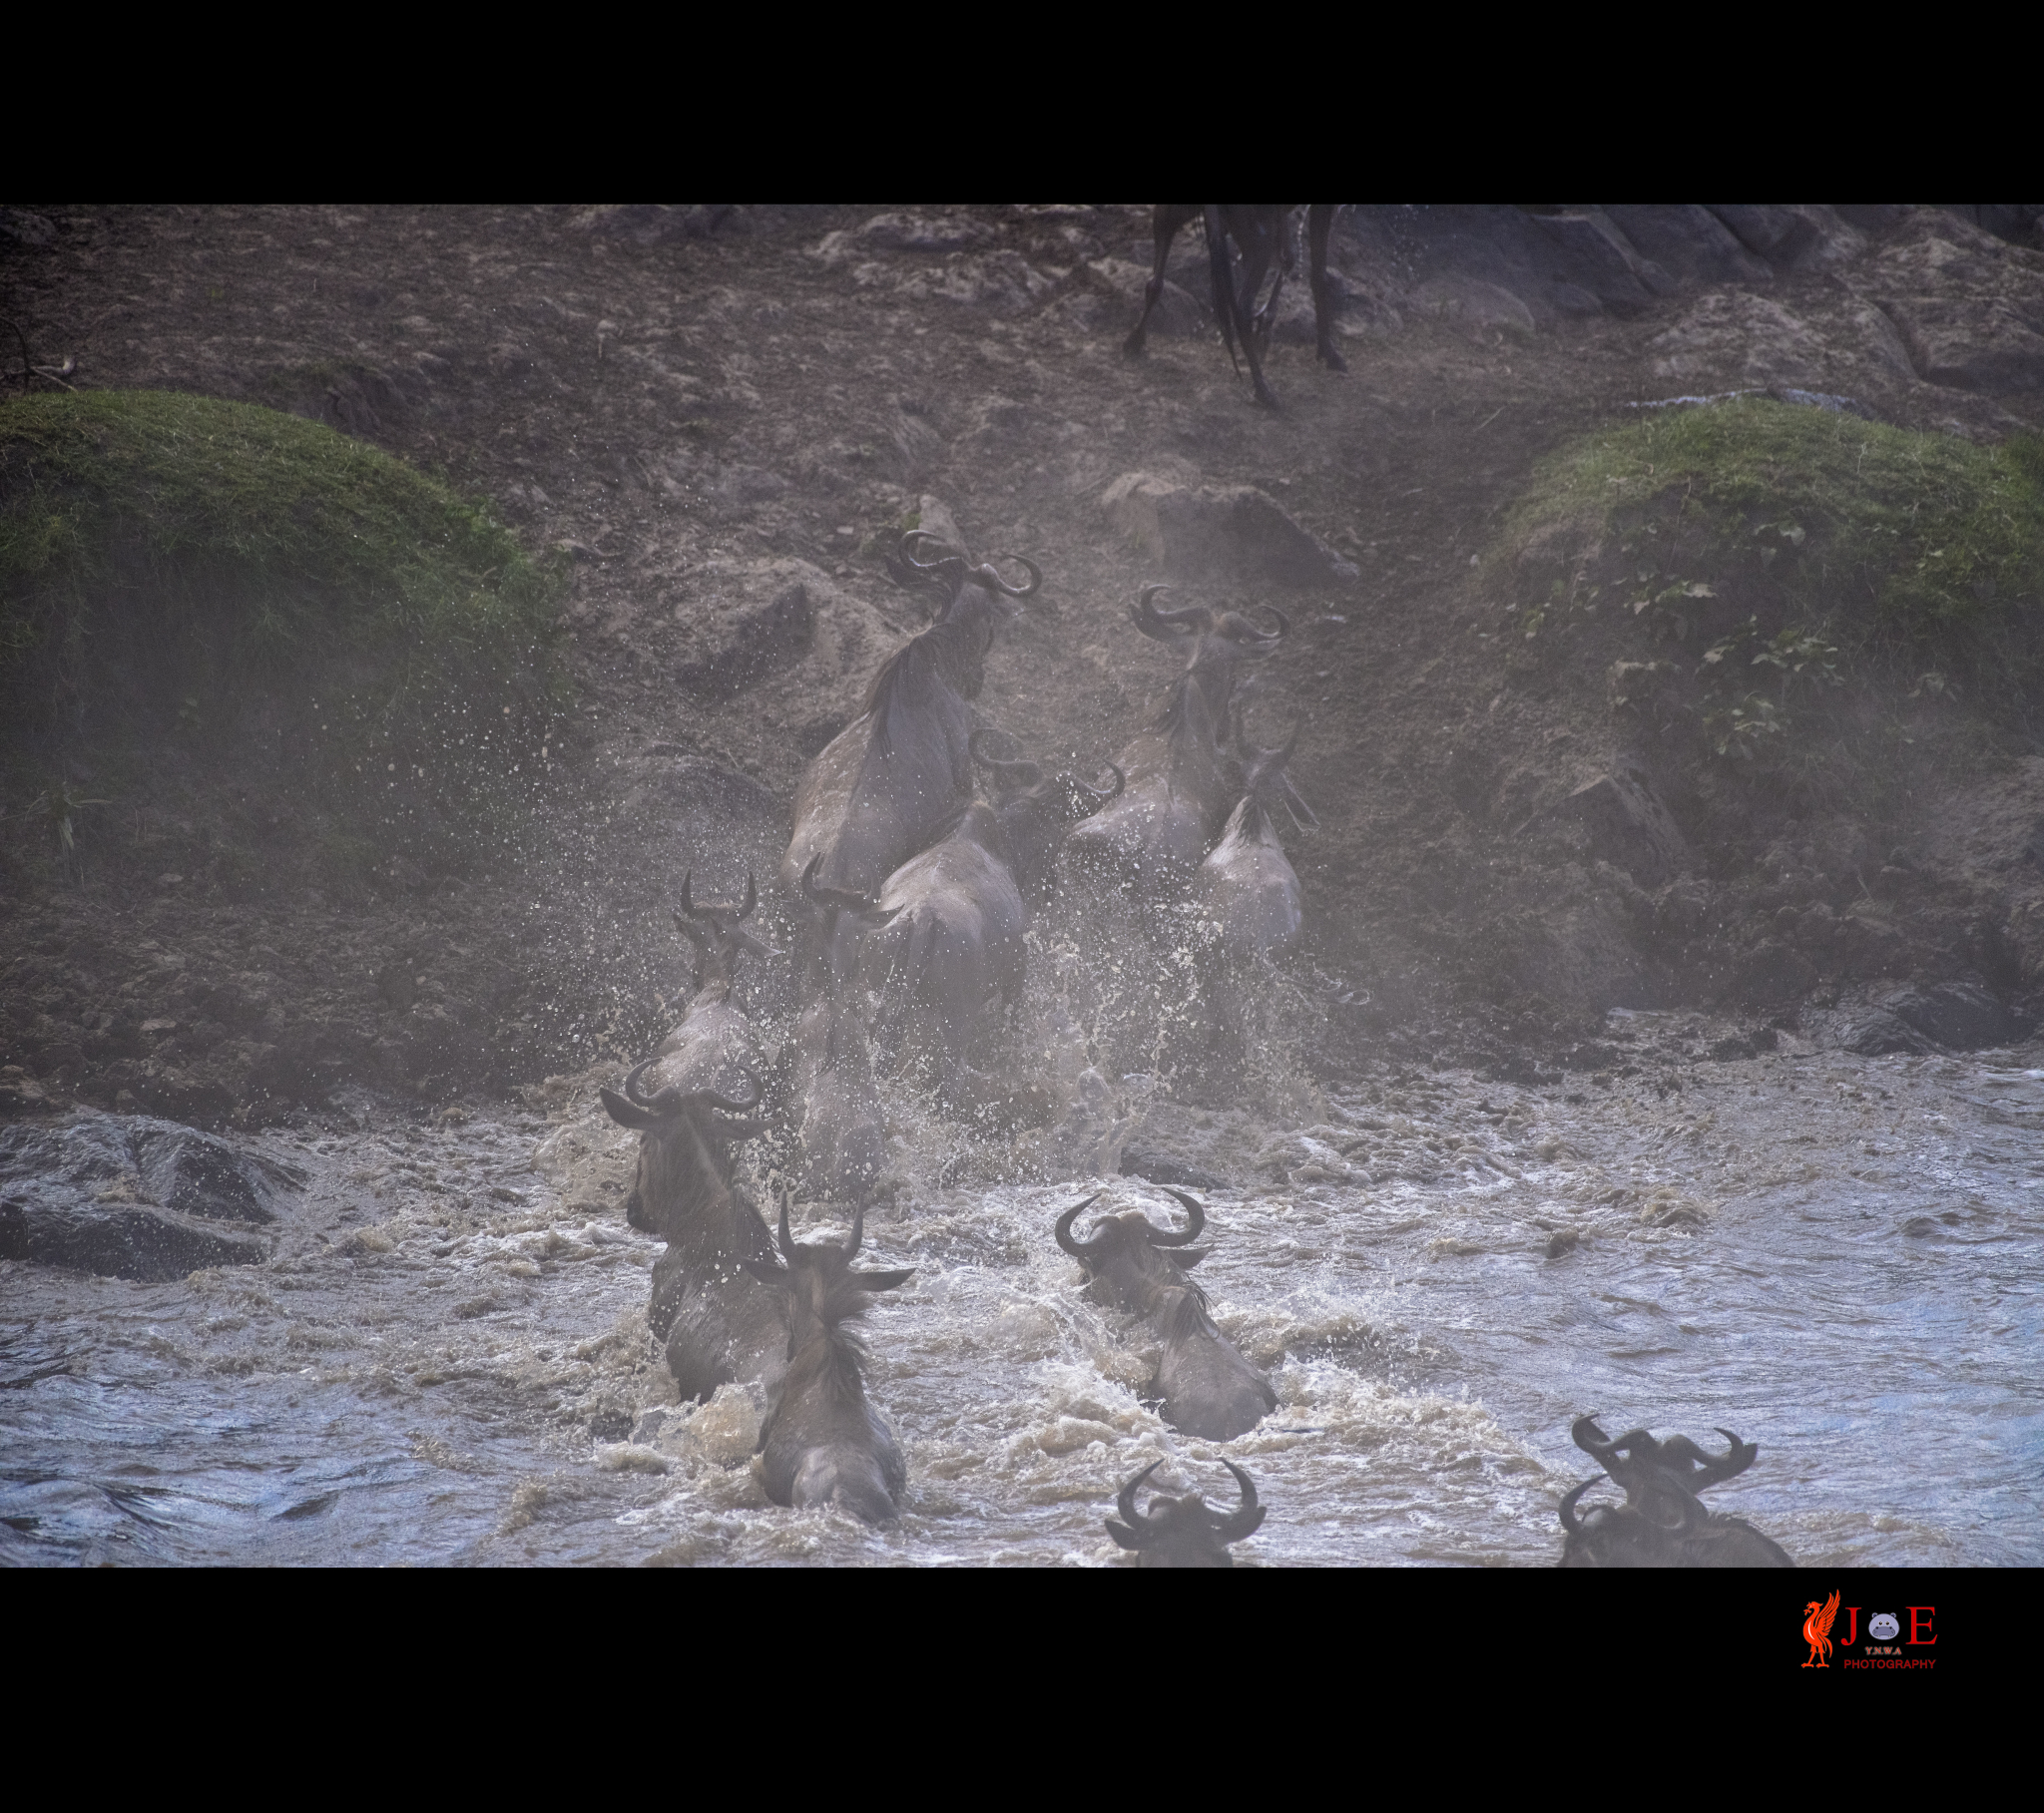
(179, 573)
(1765, 571)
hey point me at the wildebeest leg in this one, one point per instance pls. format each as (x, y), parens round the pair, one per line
(1319, 228)
(1221, 269)
(1164, 224)
(1252, 234)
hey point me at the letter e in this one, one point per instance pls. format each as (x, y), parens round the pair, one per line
(1917, 1624)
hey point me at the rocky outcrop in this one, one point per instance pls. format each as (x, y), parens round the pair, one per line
(1230, 531)
(131, 1198)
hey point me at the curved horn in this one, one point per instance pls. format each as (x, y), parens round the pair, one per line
(1592, 1440)
(708, 1098)
(1011, 775)
(1101, 796)
(667, 1101)
(1283, 623)
(1244, 1518)
(987, 575)
(1167, 626)
(1736, 1460)
(751, 899)
(1125, 1500)
(906, 549)
(1569, 1521)
(1195, 1209)
(858, 1232)
(787, 1239)
(1064, 1228)
(688, 907)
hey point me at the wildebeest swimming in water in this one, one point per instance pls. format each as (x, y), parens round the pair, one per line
(886, 783)
(1181, 779)
(1261, 233)
(944, 954)
(717, 1325)
(1183, 1531)
(1208, 1390)
(1246, 885)
(715, 1045)
(824, 1442)
(1662, 1524)
(840, 1121)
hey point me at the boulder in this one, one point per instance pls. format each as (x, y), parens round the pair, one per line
(129, 1196)
(1628, 826)
(1960, 1015)
(736, 634)
(1690, 243)
(1225, 530)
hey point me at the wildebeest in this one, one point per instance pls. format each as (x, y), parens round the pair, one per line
(886, 782)
(1662, 1524)
(714, 1044)
(824, 1442)
(842, 1128)
(947, 960)
(1183, 1531)
(718, 1327)
(1180, 778)
(1247, 885)
(1260, 233)
(1208, 1390)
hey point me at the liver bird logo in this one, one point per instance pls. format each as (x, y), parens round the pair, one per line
(1817, 1630)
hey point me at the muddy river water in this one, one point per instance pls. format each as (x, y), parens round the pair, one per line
(447, 1360)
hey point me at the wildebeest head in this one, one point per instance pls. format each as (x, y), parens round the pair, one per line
(714, 931)
(1267, 784)
(1642, 1465)
(1662, 1524)
(1214, 642)
(1131, 1257)
(1034, 813)
(1183, 1531)
(684, 1157)
(819, 1282)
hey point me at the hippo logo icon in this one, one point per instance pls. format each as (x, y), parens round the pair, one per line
(1883, 1625)
(1817, 1630)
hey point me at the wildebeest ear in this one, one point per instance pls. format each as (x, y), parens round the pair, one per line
(881, 1281)
(1123, 1534)
(765, 1272)
(1188, 1256)
(626, 1114)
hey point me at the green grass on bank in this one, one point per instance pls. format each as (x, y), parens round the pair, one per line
(281, 538)
(1902, 536)
(257, 591)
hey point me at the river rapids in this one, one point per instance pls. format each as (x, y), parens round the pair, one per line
(447, 1360)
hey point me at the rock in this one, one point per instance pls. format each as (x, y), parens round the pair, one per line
(1881, 1033)
(1960, 1015)
(21, 1094)
(133, 1197)
(1628, 826)
(1690, 243)
(662, 223)
(906, 233)
(1471, 303)
(1779, 234)
(732, 638)
(1602, 262)
(1230, 531)
(1181, 313)
(1732, 332)
(1971, 342)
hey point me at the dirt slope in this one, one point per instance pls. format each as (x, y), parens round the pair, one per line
(723, 416)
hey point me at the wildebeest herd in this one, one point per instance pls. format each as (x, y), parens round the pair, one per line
(918, 855)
